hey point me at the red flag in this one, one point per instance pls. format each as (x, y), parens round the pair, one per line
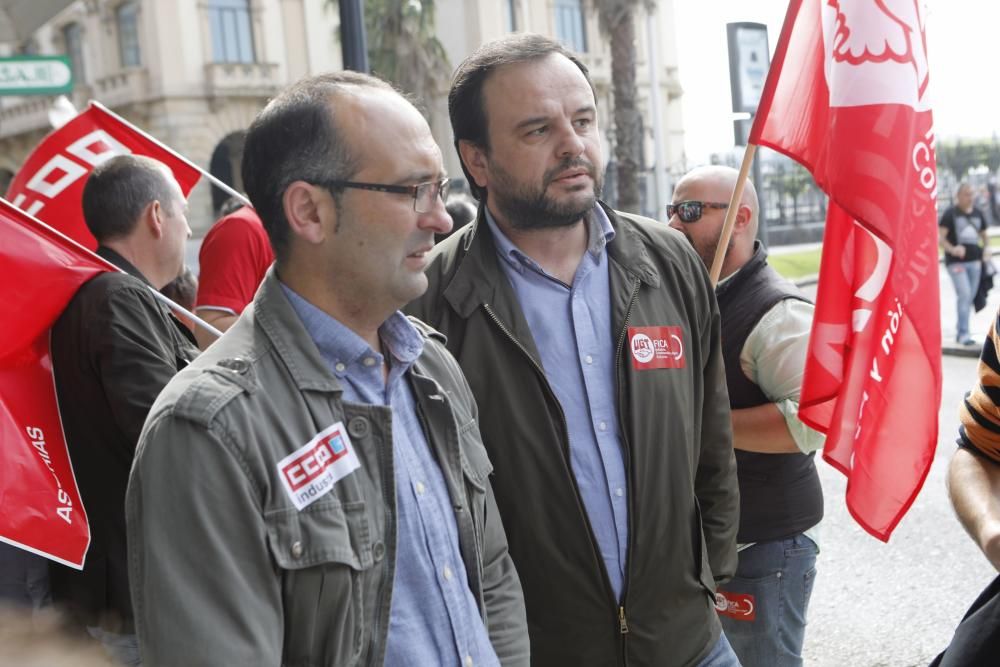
(42, 269)
(847, 97)
(49, 185)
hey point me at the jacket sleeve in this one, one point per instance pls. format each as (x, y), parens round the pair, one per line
(716, 486)
(203, 584)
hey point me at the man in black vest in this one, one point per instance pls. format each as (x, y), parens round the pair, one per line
(765, 333)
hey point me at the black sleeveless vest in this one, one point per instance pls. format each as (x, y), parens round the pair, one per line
(780, 494)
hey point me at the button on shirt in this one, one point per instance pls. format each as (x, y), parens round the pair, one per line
(434, 618)
(571, 327)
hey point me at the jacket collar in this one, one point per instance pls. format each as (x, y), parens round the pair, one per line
(756, 263)
(278, 320)
(112, 256)
(479, 279)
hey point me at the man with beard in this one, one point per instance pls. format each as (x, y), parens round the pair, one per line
(765, 338)
(591, 341)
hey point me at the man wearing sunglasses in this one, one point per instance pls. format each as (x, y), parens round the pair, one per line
(315, 491)
(590, 339)
(765, 334)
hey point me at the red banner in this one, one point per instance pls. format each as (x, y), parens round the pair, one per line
(49, 185)
(42, 510)
(847, 97)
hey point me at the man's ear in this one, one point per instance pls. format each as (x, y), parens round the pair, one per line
(743, 217)
(301, 203)
(474, 159)
(152, 217)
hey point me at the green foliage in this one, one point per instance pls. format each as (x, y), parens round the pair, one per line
(796, 265)
(403, 49)
(960, 155)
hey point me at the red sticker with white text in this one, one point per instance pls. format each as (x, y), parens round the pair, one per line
(656, 347)
(736, 605)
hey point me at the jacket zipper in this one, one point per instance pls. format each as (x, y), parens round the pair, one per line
(622, 622)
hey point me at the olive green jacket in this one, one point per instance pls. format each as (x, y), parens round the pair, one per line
(676, 434)
(226, 571)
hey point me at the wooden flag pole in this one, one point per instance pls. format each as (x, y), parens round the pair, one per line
(734, 207)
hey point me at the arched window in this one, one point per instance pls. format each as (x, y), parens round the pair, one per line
(570, 28)
(127, 17)
(232, 36)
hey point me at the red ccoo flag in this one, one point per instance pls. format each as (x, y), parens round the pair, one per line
(49, 185)
(847, 97)
(42, 269)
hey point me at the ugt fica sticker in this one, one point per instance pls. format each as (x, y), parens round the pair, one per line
(656, 347)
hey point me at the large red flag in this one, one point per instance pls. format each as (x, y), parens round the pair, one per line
(847, 97)
(49, 185)
(40, 506)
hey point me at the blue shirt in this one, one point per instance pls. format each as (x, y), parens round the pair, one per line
(433, 618)
(571, 327)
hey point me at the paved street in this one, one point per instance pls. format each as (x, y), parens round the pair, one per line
(896, 604)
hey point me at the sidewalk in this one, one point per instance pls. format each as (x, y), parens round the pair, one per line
(979, 323)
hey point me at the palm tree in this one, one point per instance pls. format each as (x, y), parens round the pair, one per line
(617, 21)
(403, 50)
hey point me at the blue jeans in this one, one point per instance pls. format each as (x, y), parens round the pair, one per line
(721, 656)
(965, 278)
(773, 583)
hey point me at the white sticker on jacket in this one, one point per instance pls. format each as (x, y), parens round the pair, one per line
(310, 472)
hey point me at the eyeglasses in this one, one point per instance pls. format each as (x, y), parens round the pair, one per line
(691, 211)
(423, 194)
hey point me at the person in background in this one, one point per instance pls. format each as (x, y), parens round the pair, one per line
(232, 261)
(765, 339)
(962, 236)
(114, 348)
(182, 291)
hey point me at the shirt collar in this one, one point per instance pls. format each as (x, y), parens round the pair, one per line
(599, 228)
(343, 349)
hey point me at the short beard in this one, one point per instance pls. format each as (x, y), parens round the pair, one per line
(526, 208)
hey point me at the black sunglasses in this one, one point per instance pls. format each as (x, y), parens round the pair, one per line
(423, 194)
(691, 211)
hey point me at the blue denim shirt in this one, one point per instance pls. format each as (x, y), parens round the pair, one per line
(433, 619)
(571, 327)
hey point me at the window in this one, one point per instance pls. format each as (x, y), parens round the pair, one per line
(73, 39)
(570, 29)
(510, 15)
(232, 37)
(127, 16)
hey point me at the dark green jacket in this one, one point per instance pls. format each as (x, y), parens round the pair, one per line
(226, 570)
(675, 422)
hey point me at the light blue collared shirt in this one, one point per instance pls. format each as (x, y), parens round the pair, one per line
(571, 326)
(433, 618)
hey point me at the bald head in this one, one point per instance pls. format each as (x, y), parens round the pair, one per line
(715, 185)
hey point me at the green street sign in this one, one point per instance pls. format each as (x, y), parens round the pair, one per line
(35, 75)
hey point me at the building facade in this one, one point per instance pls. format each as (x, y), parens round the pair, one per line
(194, 73)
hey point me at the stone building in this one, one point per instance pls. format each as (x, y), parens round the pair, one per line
(193, 73)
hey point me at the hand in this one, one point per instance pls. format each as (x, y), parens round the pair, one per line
(957, 251)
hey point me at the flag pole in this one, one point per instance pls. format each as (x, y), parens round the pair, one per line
(734, 201)
(211, 177)
(93, 255)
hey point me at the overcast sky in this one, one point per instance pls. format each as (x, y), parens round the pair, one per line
(962, 39)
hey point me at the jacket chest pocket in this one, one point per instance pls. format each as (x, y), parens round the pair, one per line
(476, 469)
(325, 557)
